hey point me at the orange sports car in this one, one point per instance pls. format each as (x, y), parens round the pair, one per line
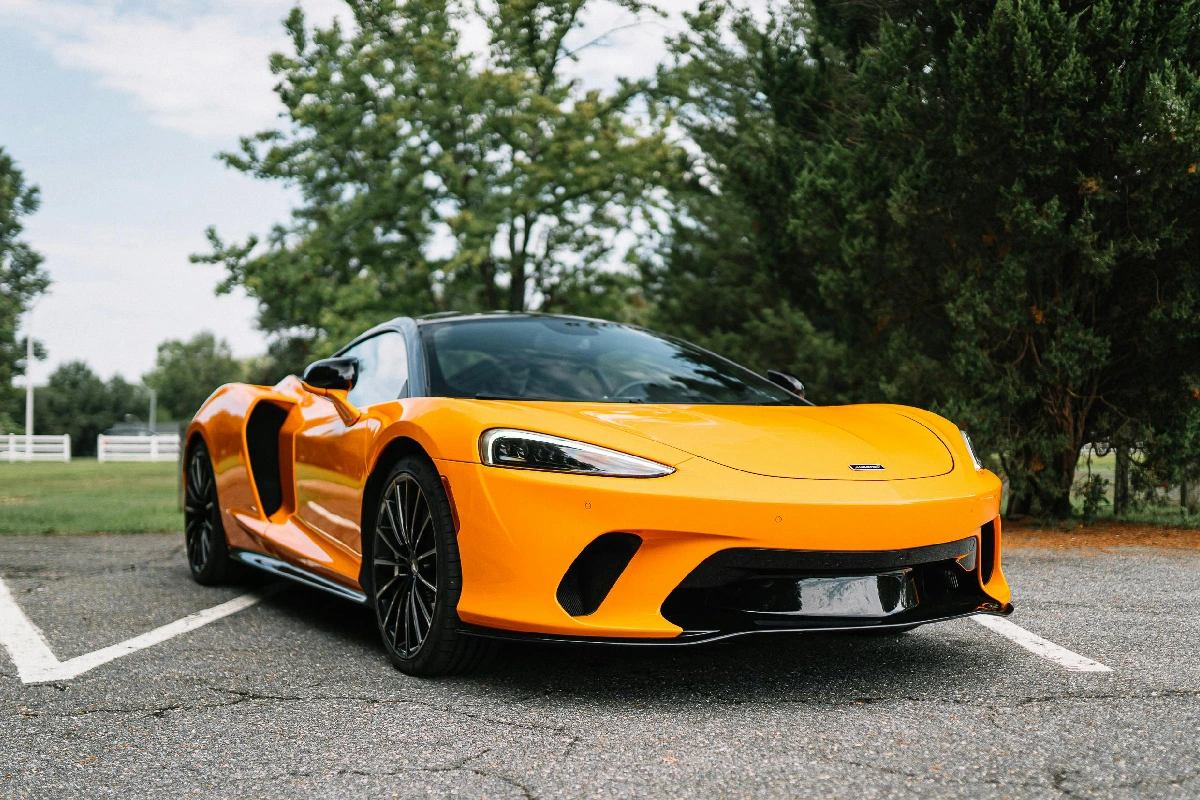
(487, 476)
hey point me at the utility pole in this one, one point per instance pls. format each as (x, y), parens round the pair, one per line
(29, 395)
(153, 410)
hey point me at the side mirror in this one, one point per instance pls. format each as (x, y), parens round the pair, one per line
(332, 378)
(332, 373)
(788, 382)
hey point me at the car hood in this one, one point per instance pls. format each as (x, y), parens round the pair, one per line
(811, 442)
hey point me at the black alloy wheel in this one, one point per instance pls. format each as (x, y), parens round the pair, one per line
(204, 533)
(416, 577)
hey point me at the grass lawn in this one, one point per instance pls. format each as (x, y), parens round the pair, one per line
(84, 496)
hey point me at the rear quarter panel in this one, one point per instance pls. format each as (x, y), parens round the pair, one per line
(221, 424)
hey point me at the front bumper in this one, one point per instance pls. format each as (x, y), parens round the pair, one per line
(743, 591)
(711, 552)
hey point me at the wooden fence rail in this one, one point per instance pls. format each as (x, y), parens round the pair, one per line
(161, 447)
(39, 447)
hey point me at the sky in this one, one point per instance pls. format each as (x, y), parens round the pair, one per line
(116, 109)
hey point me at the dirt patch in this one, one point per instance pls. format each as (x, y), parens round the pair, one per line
(1101, 535)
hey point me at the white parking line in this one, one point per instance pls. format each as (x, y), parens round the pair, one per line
(36, 663)
(1042, 647)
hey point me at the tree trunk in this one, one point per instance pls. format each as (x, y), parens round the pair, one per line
(516, 288)
(1121, 482)
(1019, 504)
(488, 268)
(1059, 504)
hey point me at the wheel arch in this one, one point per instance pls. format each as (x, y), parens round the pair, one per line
(194, 437)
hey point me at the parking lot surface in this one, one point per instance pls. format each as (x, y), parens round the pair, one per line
(293, 697)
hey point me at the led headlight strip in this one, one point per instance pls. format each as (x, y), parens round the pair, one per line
(971, 450)
(507, 447)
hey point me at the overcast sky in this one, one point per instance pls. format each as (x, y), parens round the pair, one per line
(116, 109)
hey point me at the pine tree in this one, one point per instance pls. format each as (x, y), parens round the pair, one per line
(998, 205)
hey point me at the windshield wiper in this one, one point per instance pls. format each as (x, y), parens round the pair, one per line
(486, 396)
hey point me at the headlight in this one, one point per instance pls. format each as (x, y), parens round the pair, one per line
(505, 447)
(971, 450)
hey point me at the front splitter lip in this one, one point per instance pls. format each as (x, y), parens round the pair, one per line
(705, 637)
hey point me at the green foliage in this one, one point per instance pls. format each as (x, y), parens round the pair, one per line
(79, 402)
(186, 373)
(435, 178)
(1094, 494)
(733, 278)
(989, 209)
(21, 280)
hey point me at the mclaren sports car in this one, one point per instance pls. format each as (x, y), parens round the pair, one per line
(475, 477)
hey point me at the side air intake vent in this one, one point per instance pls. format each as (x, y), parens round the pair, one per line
(987, 550)
(593, 573)
(262, 440)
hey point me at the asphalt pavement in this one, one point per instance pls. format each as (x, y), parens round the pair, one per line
(293, 697)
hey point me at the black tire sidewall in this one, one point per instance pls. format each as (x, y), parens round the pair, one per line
(217, 570)
(442, 630)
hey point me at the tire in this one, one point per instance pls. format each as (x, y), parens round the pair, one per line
(204, 532)
(416, 575)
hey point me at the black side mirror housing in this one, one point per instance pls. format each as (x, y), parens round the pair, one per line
(332, 374)
(789, 382)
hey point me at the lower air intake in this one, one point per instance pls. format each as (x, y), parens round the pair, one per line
(987, 550)
(593, 573)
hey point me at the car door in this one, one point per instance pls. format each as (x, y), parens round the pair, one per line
(331, 457)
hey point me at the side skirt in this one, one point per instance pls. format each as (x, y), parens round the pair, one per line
(285, 570)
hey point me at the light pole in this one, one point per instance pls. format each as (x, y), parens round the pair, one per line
(153, 411)
(29, 393)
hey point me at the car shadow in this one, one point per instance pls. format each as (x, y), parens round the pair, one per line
(822, 668)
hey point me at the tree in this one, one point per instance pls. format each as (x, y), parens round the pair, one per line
(999, 216)
(753, 101)
(1018, 206)
(436, 178)
(21, 280)
(186, 373)
(78, 402)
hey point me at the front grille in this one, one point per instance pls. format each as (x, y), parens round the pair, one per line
(756, 589)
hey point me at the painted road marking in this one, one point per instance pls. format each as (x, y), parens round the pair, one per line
(36, 663)
(1042, 647)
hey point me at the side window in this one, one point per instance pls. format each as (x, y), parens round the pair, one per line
(382, 370)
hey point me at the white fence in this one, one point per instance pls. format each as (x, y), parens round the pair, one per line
(161, 447)
(18, 447)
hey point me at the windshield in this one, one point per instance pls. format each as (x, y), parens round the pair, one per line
(551, 358)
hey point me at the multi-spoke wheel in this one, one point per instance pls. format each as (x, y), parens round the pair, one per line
(204, 534)
(415, 574)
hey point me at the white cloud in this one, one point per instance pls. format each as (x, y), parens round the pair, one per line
(203, 73)
(122, 281)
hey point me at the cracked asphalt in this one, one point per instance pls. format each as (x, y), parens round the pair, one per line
(294, 698)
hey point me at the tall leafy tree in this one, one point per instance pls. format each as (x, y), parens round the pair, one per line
(1014, 213)
(433, 177)
(21, 280)
(998, 211)
(754, 100)
(186, 372)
